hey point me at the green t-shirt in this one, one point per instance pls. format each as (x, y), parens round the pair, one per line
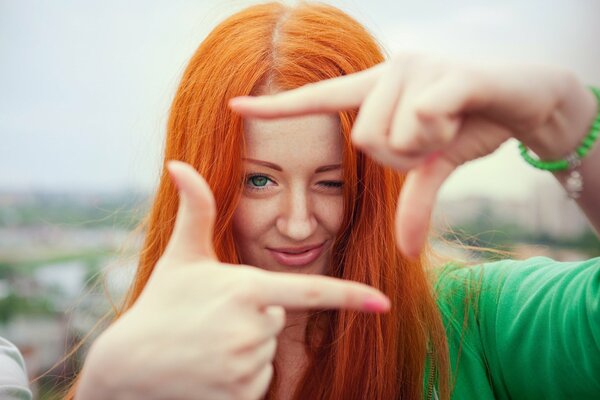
(530, 329)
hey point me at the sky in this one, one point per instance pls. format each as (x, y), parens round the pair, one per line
(85, 86)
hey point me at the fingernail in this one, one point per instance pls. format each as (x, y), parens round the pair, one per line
(377, 304)
(432, 156)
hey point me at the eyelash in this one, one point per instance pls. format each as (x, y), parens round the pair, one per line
(326, 184)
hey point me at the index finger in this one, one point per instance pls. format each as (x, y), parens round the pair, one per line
(326, 96)
(303, 292)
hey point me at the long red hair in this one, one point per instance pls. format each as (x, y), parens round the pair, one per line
(360, 356)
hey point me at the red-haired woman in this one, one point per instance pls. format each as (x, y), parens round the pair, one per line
(292, 216)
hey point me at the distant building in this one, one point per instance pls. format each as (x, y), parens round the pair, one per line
(548, 211)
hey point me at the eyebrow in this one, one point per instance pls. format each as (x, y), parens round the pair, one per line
(276, 167)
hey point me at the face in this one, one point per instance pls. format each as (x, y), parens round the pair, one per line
(291, 207)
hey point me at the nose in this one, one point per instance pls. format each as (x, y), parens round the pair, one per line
(297, 221)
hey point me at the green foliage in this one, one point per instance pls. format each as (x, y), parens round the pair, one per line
(25, 266)
(587, 242)
(123, 211)
(484, 233)
(16, 304)
(13, 305)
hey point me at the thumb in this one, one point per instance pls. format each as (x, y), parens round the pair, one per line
(193, 233)
(416, 203)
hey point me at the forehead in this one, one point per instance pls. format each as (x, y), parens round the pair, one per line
(305, 140)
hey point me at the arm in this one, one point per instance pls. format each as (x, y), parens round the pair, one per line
(589, 202)
(427, 116)
(590, 198)
(157, 348)
(531, 328)
(581, 107)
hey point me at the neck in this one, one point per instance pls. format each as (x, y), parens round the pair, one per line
(294, 330)
(291, 357)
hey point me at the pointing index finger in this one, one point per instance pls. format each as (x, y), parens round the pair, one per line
(326, 96)
(295, 291)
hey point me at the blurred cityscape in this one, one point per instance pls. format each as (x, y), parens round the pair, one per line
(64, 257)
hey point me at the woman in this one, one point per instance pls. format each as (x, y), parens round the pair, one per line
(293, 197)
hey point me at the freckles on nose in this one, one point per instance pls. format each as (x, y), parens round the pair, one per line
(297, 220)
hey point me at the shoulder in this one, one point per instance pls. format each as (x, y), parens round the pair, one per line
(466, 289)
(454, 276)
(13, 376)
(535, 315)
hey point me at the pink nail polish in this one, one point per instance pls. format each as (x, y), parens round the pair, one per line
(431, 157)
(376, 304)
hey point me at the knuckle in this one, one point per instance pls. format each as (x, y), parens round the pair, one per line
(255, 386)
(272, 348)
(473, 83)
(244, 287)
(229, 373)
(350, 296)
(424, 113)
(312, 297)
(276, 318)
(236, 371)
(537, 121)
(396, 145)
(422, 141)
(238, 391)
(360, 138)
(252, 385)
(364, 140)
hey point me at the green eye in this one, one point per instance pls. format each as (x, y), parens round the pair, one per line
(258, 180)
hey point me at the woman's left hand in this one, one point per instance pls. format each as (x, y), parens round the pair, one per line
(428, 116)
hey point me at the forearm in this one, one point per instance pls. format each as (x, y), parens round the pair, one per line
(589, 200)
(572, 122)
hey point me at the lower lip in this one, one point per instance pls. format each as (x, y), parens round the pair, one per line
(298, 260)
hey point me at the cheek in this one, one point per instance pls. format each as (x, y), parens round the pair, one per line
(250, 220)
(332, 213)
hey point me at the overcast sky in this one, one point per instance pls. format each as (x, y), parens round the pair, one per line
(85, 86)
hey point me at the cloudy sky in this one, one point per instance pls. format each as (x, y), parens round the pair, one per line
(85, 86)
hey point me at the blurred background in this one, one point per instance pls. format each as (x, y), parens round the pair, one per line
(85, 89)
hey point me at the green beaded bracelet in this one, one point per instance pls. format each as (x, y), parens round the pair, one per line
(573, 160)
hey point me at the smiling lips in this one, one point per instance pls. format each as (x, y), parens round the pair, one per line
(297, 256)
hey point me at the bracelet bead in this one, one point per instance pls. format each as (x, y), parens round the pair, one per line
(574, 182)
(580, 152)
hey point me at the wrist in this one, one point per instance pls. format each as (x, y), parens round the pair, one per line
(573, 182)
(568, 124)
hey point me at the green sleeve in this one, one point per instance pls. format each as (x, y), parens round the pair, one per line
(523, 329)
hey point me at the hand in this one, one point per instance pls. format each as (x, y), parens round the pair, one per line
(429, 116)
(201, 328)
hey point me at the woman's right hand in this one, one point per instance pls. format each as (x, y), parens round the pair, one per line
(201, 328)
